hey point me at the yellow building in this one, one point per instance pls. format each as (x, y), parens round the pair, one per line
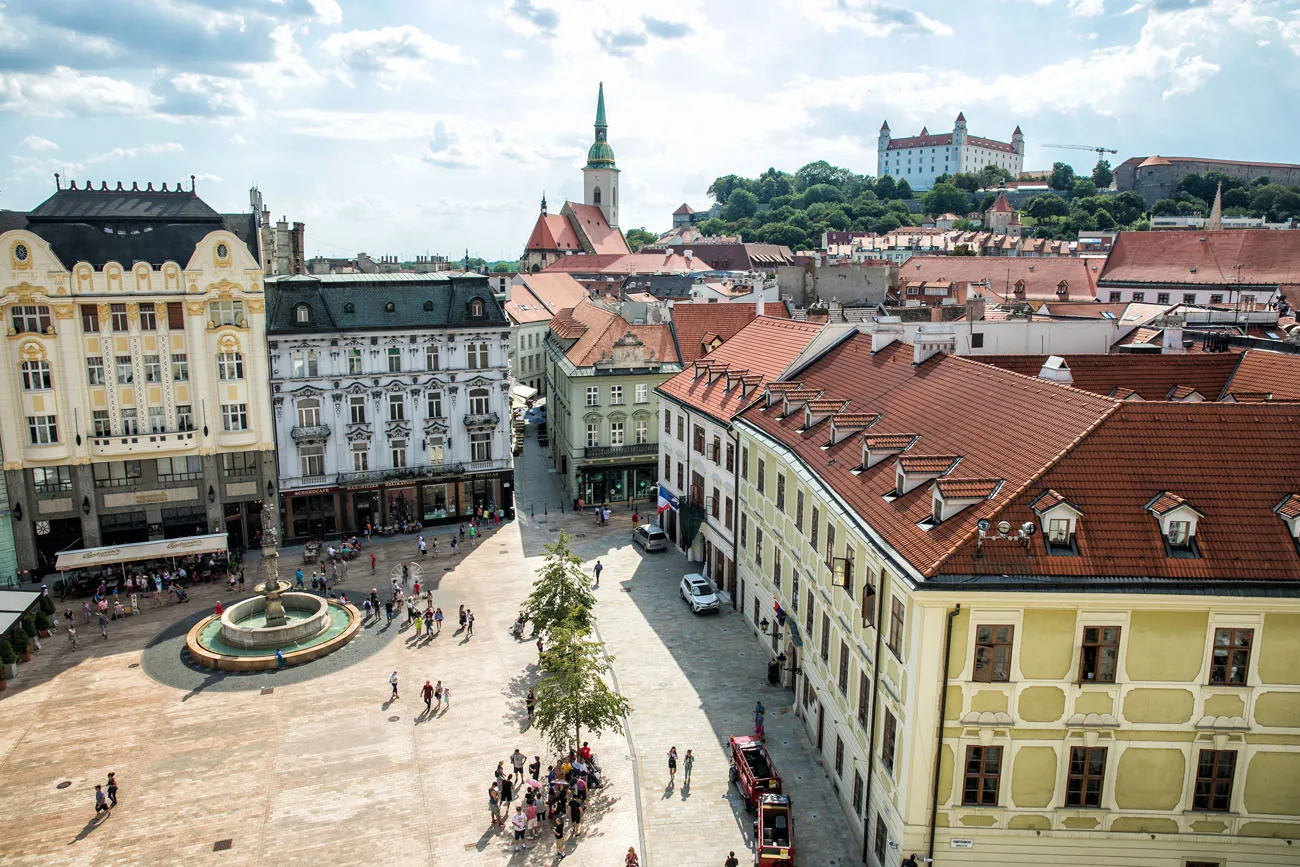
(1115, 584)
(136, 376)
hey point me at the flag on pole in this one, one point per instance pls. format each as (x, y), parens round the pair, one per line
(667, 500)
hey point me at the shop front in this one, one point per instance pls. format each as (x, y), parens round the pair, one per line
(617, 484)
(310, 514)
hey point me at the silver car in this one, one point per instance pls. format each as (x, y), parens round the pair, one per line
(699, 593)
(650, 537)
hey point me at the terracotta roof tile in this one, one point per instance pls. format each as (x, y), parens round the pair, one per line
(1182, 392)
(698, 323)
(957, 407)
(589, 221)
(1165, 502)
(889, 442)
(1050, 499)
(1289, 507)
(1204, 257)
(827, 404)
(1042, 276)
(1121, 392)
(855, 419)
(538, 296)
(1150, 376)
(552, 233)
(761, 349)
(1248, 396)
(928, 464)
(967, 489)
(783, 387)
(1261, 371)
(597, 329)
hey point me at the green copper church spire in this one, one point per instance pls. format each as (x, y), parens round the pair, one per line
(601, 155)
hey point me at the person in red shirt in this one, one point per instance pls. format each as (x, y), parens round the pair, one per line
(372, 562)
(585, 752)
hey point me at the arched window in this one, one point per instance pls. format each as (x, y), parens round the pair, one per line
(308, 412)
(479, 401)
(302, 314)
(349, 308)
(595, 196)
(476, 307)
(36, 375)
(428, 306)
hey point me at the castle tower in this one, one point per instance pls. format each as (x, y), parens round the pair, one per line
(883, 147)
(959, 138)
(600, 175)
(1018, 142)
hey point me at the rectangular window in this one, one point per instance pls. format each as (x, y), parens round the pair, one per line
(480, 446)
(49, 480)
(839, 756)
(830, 545)
(642, 393)
(311, 460)
(616, 394)
(1099, 655)
(184, 417)
(102, 425)
(857, 792)
(993, 653)
(642, 432)
(668, 469)
(175, 316)
(398, 451)
(116, 474)
(354, 362)
(1162, 297)
(1189, 297)
(1216, 299)
(896, 627)
(396, 407)
(616, 433)
(844, 669)
(1084, 779)
(730, 510)
(239, 463)
(1214, 770)
(864, 699)
(1114, 297)
(152, 369)
(148, 318)
(816, 520)
(889, 731)
(593, 395)
(715, 503)
(780, 492)
(668, 422)
(394, 359)
(180, 368)
(36, 375)
(125, 372)
(1230, 662)
(715, 450)
(826, 638)
(810, 604)
(357, 409)
(434, 401)
(157, 419)
(776, 566)
(226, 313)
(744, 526)
(435, 450)
(761, 481)
(593, 435)
(234, 416)
(977, 340)
(360, 457)
(744, 463)
(42, 430)
(681, 483)
(798, 510)
(230, 366)
(1139, 297)
(432, 358)
(681, 428)
(477, 356)
(758, 546)
(117, 315)
(89, 319)
(731, 457)
(981, 776)
(882, 839)
(697, 439)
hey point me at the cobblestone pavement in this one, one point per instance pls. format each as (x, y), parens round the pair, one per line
(325, 770)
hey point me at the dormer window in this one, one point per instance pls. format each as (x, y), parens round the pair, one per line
(1178, 521)
(915, 470)
(878, 447)
(476, 307)
(1289, 511)
(428, 307)
(1059, 520)
(390, 307)
(950, 496)
(349, 308)
(302, 314)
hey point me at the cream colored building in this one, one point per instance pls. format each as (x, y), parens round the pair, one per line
(137, 373)
(1111, 676)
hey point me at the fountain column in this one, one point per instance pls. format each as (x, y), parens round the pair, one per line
(271, 587)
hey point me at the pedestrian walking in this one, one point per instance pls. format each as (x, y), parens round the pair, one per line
(598, 569)
(392, 680)
(507, 791)
(731, 860)
(472, 531)
(630, 859)
(435, 546)
(111, 789)
(446, 696)
(72, 635)
(519, 822)
(559, 835)
(365, 606)
(672, 756)
(437, 695)
(417, 587)
(494, 804)
(469, 624)
(462, 530)
(535, 769)
(500, 773)
(517, 760)
(687, 761)
(297, 576)
(437, 620)
(575, 816)
(424, 549)
(419, 627)
(101, 803)
(103, 626)
(372, 554)
(530, 702)
(462, 618)
(455, 548)
(531, 813)
(426, 692)
(388, 610)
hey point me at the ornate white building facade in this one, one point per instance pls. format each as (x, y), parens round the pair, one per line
(920, 159)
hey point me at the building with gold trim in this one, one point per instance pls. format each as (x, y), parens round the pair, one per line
(136, 376)
(1024, 623)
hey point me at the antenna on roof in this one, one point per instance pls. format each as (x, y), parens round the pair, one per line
(57, 183)
(191, 183)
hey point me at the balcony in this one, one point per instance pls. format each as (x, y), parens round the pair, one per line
(631, 451)
(294, 483)
(133, 444)
(310, 433)
(487, 466)
(480, 420)
(425, 471)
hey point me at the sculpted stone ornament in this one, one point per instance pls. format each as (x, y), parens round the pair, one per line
(271, 587)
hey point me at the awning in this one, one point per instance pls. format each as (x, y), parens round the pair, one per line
(140, 551)
(17, 600)
(523, 392)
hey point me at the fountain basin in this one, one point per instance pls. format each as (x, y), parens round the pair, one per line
(244, 623)
(338, 624)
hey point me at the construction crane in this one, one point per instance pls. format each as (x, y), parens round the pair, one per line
(1099, 151)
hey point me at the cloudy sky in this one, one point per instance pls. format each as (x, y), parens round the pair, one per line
(415, 126)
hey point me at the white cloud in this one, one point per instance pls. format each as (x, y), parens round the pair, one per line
(65, 92)
(37, 143)
(193, 95)
(328, 12)
(393, 55)
(150, 150)
(1087, 8)
(873, 18)
(1189, 75)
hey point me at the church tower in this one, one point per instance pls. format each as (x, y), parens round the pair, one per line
(600, 175)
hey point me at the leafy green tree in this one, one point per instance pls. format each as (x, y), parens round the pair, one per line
(1045, 207)
(945, 198)
(904, 190)
(561, 596)
(712, 227)
(966, 181)
(1062, 177)
(1164, 208)
(773, 184)
(886, 188)
(573, 695)
(821, 193)
(887, 223)
(638, 238)
(722, 188)
(1102, 175)
(1084, 187)
(740, 204)
(505, 267)
(990, 176)
(784, 233)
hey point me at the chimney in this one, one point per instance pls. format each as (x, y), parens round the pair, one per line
(1171, 342)
(1056, 369)
(758, 305)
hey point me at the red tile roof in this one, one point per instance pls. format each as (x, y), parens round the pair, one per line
(540, 295)
(552, 233)
(854, 419)
(928, 463)
(763, 349)
(1042, 276)
(1289, 507)
(596, 330)
(957, 407)
(1140, 451)
(1150, 376)
(1001, 205)
(1165, 502)
(589, 221)
(683, 210)
(693, 321)
(1050, 499)
(628, 263)
(1179, 258)
(889, 442)
(967, 489)
(1262, 372)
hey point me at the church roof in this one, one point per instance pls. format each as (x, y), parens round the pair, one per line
(683, 210)
(552, 232)
(1001, 205)
(589, 222)
(601, 155)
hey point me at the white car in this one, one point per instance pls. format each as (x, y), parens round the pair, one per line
(650, 537)
(699, 593)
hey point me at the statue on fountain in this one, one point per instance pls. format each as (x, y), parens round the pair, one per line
(271, 587)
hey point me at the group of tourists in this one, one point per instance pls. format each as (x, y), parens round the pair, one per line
(558, 799)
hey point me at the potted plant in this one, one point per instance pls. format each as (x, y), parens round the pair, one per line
(43, 624)
(8, 659)
(47, 606)
(29, 627)
(22, 645)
